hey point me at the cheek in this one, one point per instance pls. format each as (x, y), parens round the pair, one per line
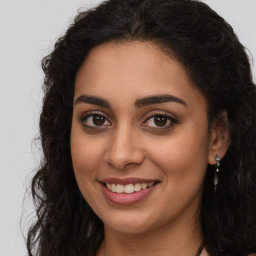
(85, 156)
(85, 153)
(182, 158)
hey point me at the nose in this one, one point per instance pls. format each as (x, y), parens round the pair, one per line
(124, 149)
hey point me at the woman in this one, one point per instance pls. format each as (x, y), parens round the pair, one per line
(148, 132)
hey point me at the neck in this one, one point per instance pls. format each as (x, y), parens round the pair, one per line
(172, 239)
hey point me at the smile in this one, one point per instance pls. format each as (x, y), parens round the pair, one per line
(129, 188)
(127, 191)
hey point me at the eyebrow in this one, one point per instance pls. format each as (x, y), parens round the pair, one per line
(139, 103)
(93, 100)
(157, 99)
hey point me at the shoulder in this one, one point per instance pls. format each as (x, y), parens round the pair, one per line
(204, 252)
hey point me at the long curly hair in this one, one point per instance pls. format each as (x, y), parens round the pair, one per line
(215, 60)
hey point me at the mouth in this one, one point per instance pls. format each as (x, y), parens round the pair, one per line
(129, 188)
(127, 191)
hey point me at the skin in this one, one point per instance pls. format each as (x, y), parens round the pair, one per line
(130, 143)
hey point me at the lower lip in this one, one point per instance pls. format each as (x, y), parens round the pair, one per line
(125, 199)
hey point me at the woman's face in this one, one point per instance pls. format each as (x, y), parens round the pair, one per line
(140, 140)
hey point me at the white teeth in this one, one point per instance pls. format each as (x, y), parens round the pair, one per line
(144, 185)
(113, 187)
(119, 188)
(129, 188)
(150, 184)
(137, 187)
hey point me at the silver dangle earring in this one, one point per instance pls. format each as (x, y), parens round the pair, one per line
(217, 166)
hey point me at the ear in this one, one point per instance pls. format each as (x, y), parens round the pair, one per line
(219, 137)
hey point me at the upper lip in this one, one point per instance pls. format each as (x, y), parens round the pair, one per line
(126, 181)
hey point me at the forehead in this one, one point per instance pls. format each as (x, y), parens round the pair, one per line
(134, 69)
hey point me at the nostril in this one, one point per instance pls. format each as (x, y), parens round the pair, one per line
(123, 150)
(125, 158)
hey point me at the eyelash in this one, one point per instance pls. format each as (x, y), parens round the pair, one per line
(172, 121)
(92, 115)
(169, 119)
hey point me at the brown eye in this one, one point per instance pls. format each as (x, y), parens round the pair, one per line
(160, 121)
(98, 120)
(95, 120)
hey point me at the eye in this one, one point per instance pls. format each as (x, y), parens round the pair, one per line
(95, 120)
(160, 121)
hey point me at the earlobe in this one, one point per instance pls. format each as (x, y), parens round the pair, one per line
(219, 138)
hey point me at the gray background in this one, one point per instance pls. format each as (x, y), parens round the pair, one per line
(28, 30)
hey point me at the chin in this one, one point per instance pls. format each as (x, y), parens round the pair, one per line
(128, 224)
